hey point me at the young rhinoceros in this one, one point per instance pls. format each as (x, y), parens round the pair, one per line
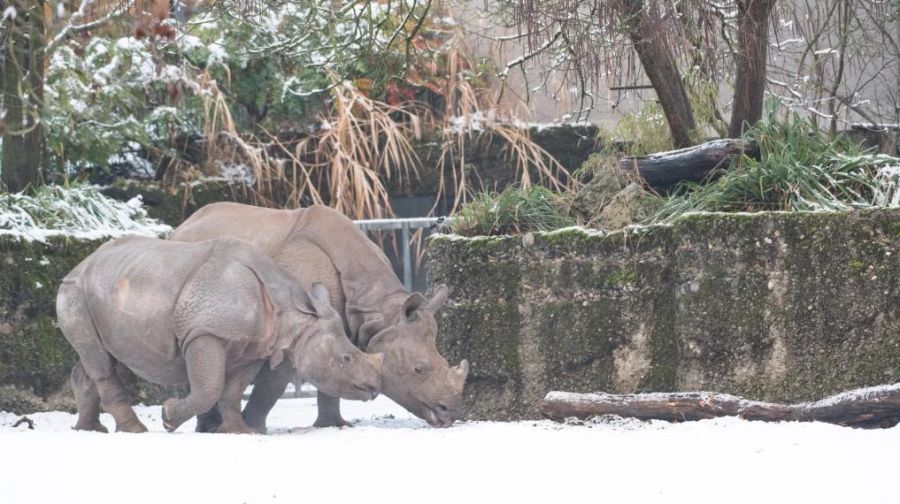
(209, 314)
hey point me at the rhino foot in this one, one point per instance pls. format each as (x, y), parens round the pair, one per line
(258, 427)
(209, 421)
(95, 426)
(134, 427)
(166, 418)
(331, 422)
(235, 428)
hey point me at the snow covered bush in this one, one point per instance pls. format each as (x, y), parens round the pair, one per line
(126, 97)
(81, 211)
(118, 94)
(274, 65)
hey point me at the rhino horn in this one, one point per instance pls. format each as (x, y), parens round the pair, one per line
(462, 370)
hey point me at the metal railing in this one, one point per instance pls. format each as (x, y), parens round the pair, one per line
(404, 225)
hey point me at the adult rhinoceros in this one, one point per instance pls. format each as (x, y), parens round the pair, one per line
(210, 314)
(318, 244)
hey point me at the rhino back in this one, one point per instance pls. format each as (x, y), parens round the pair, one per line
(131, 286)
(265, 228)
(367, 279)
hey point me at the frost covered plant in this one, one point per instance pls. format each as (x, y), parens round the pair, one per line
(80, 211)
(801, 168)
(887, 188)
(118, 92)
(271, 63)
(274, 64)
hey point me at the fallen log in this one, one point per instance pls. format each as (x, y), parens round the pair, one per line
(873, 407)
(665, 169)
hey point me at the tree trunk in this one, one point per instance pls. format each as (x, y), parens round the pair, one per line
(659, 65)
(665, 169)
(23, 96)
(869, 407)
(750, 79)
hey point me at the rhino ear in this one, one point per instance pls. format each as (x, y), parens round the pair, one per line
(441, 294)
(368, 330)
(302, 301)
(320, 299)
(412, 303)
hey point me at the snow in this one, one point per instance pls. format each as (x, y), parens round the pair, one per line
(80, 212)
(217, 55)
(863, 394)
(391, 457)
(229, 172)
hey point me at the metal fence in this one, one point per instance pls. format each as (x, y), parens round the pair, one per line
(404, 225)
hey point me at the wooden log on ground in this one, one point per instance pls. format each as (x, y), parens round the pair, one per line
(874, 407)
(665, 169)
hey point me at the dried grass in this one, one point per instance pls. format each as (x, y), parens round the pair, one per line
(471, 114)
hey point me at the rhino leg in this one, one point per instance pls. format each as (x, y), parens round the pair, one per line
(209, 421)
(205, 361)
(87, 400)
(99, 366)
(329, 412)
(230, 403)
(267, 389)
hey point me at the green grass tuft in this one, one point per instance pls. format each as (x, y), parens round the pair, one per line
(511, 212)
(801, 169)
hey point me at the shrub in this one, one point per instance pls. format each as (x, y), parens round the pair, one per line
(512, 211)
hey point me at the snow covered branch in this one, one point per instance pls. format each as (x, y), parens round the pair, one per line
(521, 60)
(71, 27)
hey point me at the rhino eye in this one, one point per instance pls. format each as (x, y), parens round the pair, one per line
(419, 369)
(346, 358)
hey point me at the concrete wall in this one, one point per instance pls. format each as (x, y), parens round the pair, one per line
(779, 306)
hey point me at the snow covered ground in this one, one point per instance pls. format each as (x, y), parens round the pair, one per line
(390, 456)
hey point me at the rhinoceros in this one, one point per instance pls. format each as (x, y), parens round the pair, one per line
(209, 314)
(318, 244)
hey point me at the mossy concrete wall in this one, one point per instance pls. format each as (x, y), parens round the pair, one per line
(776, 306)
(35, 359)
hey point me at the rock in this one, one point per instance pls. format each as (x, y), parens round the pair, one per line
(20, 401)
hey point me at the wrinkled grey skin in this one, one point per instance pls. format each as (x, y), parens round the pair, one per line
(318, 244)
(209, 314)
